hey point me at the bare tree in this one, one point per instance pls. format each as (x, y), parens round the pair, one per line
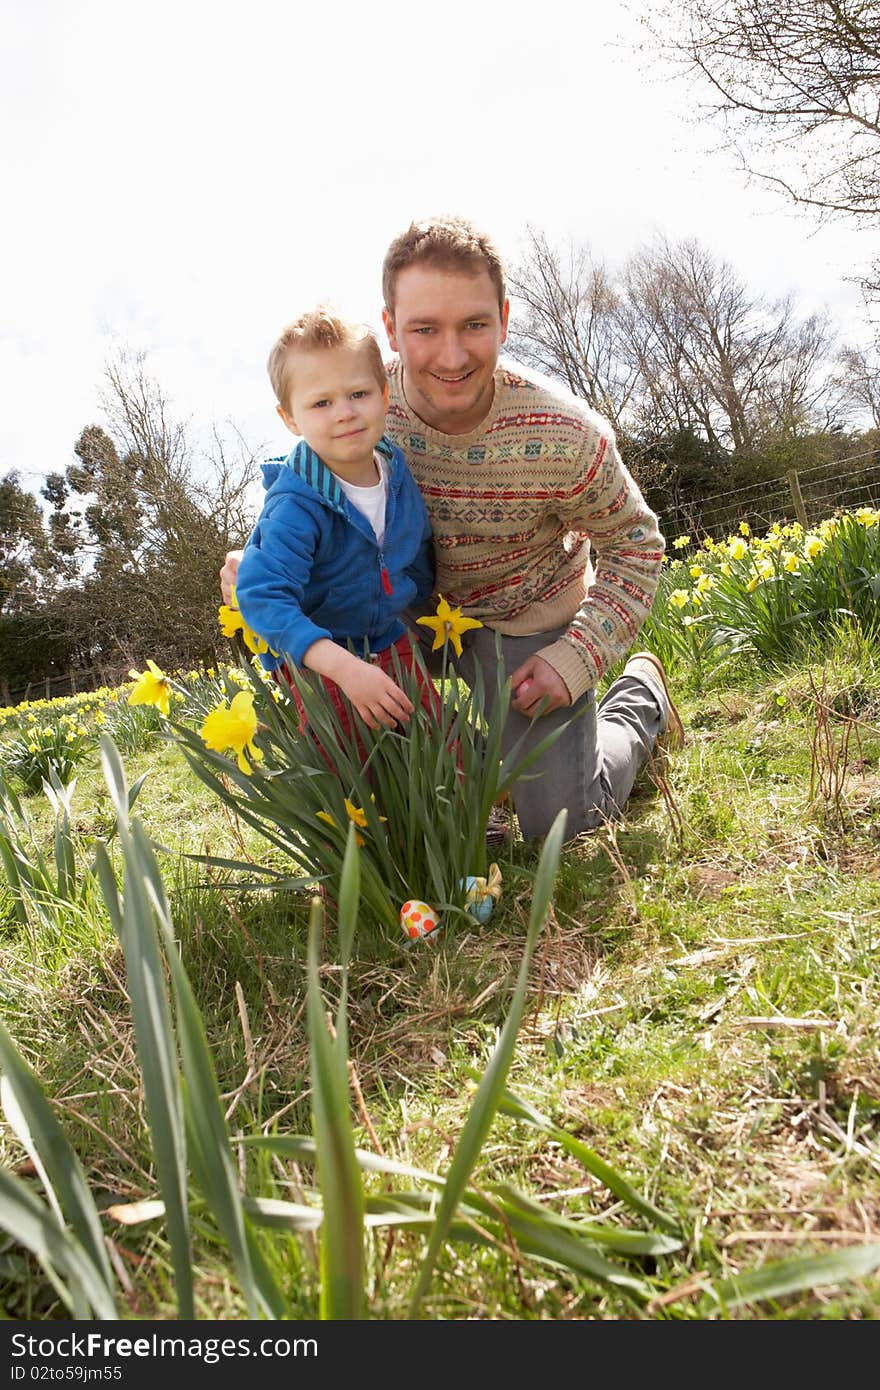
(861, 380)
(797, 85)
(568, 325)
(193, 505)
(149, 518)
(676, 348)
(714, 357)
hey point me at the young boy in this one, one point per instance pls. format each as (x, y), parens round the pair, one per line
(342, 545)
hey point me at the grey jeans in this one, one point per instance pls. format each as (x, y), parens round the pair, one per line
(591, 769)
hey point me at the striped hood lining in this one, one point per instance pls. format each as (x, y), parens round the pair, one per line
(305, 463)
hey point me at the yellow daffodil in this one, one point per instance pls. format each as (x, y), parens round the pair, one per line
(357, 814)
(745, 529)
(790, 562)
(233, 728)
(867, 516)
(813, 546)
(680, 542)
(704, 584)
(232, 622)
(678, 598)
(737, 548)
(448, 623)
(696, 571)
(152, 688)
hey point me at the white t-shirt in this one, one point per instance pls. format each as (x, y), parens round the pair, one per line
(370, 501)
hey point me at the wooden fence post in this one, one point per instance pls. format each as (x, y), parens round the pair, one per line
(797, 498)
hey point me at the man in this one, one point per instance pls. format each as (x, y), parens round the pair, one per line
(540, 532)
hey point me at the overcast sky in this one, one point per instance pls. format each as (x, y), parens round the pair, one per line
(185, 177)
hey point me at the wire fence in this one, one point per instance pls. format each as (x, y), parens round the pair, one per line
(803, 494)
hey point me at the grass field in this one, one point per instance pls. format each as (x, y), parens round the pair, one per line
(700, 1011)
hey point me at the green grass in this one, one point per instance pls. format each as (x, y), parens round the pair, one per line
(702, 1012)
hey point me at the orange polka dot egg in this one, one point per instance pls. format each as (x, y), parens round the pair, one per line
(418, 919)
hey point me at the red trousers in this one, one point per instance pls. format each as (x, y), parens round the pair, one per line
(430, 700)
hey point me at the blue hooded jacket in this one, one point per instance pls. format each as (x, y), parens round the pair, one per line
(313, 567)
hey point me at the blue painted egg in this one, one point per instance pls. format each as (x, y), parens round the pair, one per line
(478, 902)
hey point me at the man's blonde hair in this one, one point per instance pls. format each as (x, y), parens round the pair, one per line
(451, 243)
(317, 330)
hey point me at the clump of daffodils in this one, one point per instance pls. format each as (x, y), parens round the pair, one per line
(769, 593)
(416, 799)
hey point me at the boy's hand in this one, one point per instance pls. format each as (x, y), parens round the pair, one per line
(374, 694)
(229, 574)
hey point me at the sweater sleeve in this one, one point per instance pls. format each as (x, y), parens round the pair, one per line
(273, 576)
(607, 508)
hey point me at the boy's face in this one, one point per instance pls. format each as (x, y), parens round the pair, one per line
(448, 328)
(336, 404)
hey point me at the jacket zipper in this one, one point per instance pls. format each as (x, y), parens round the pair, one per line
(383, 568)
(384, 575)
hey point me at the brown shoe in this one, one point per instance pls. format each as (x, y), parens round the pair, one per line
(673, 735)
(498, 829)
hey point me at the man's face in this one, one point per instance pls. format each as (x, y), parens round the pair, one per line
(448, 328)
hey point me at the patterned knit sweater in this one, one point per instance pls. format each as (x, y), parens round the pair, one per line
(517, 506)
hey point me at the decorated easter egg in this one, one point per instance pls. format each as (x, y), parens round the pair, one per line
(478, 902)
(481, 894)
(418, 919)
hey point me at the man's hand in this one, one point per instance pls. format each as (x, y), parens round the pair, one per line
(229, 574)
(536, 683)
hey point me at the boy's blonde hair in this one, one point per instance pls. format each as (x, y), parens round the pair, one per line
(451, 243)
(316, 330)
